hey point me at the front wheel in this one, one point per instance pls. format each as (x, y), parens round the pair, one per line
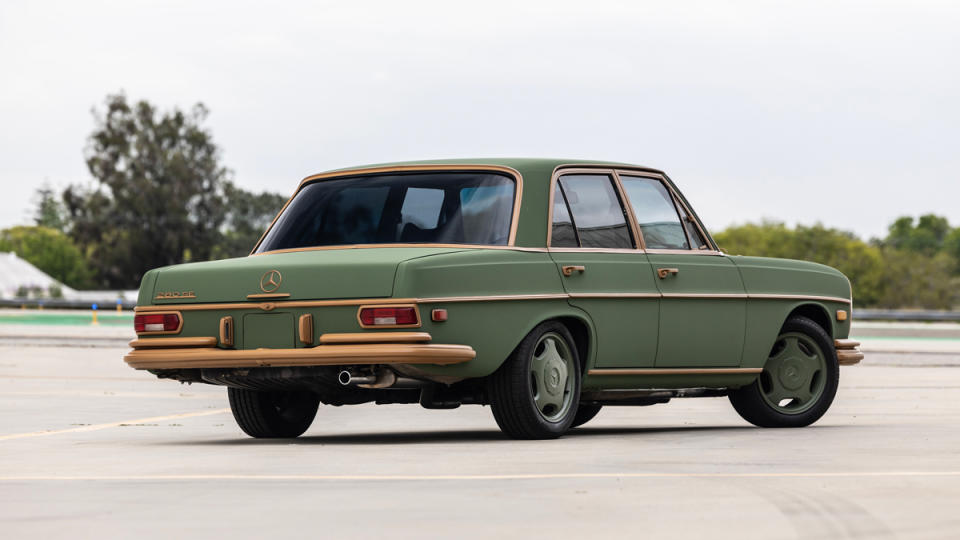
(534, 394)
(273, 414)
(798, 382)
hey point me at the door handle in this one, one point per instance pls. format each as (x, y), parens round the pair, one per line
(664, 272)
(569, 270)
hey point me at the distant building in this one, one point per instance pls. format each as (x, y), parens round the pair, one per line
(18, 276)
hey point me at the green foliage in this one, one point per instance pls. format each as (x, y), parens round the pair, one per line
(248, 215)
(50, 211)
(158, 192)
(49, 250)
(914, 267)
(928, 235)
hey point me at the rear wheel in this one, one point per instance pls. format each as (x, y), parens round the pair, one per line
(798, 382)
(273, 414)
(534, 394)
(585, 413)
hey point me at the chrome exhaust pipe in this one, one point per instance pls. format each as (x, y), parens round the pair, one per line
(381, 379)
(347, 379)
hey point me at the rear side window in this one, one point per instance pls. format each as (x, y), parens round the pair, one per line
(656, 214)
(597, 214)
(562, 234)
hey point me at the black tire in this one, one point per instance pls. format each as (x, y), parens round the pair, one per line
(751, 403)
(585, 413)
(271, 415)
(512, 393)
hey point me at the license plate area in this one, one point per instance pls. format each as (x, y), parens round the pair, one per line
(268, 331)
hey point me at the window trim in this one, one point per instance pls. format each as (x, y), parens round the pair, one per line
(615, 173)
(635, 238)
(509, 172)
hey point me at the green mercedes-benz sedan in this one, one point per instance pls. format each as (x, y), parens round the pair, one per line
(544, 288)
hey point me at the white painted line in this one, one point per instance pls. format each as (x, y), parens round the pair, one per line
(470, 477)
(96, 427)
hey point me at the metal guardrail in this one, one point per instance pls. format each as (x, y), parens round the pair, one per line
(905, 315)
(60, 303)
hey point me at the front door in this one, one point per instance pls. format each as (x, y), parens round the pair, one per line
(704, 307)
(603, 271)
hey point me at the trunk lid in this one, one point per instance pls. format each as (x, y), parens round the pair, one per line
(303, 275)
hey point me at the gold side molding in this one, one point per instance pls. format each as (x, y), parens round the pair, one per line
(322, 355)
(378, 337)
(674, 371)
(171, 343)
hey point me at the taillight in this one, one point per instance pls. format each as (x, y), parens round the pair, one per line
(389, 316)
(156, 322)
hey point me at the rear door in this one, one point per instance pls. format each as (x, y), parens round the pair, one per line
(703, 308)
(602, 268)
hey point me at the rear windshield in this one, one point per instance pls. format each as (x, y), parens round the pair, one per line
(442, 208)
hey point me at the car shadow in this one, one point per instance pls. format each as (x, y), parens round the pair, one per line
(467, 436)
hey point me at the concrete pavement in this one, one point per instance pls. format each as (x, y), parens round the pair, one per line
(91, 448)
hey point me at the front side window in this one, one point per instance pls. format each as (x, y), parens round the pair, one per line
(656, 214)
(596, 210)
(444, 208)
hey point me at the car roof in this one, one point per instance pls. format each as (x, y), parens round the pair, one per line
(525, 165)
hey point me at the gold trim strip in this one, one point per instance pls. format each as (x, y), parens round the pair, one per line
(614, 295)
(798, 297)
(493, 298)
(675, 371)
(268, 306)
(377, 337)
(453, 167)
(741, 296)
(168, 343)
(323, 355)
(267, 295)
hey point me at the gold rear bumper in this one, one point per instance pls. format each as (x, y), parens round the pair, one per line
(848, 352)
(207, 356)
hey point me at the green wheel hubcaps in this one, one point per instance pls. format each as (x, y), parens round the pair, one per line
(552, 377)
(795, 374)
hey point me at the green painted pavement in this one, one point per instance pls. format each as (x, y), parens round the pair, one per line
(84, 318)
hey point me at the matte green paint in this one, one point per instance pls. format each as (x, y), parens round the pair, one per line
(698, 332)
(627, 327)
(637, 332)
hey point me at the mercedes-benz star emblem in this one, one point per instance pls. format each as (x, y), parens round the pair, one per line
(270, 281)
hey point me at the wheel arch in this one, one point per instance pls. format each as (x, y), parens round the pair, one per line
(815, 312)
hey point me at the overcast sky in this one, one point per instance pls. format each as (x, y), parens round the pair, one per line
(847, 113)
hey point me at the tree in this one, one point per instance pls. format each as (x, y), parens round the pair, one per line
(158, 195)
(927, 236)
(248, 215)
(49, 250)
(50, 211)
(861, 262)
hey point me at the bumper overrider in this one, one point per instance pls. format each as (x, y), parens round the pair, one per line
(333, 350)
(848, 352)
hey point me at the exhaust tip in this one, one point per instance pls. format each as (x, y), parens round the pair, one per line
(344, 378)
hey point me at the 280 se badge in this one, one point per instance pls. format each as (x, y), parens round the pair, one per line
(546, 289)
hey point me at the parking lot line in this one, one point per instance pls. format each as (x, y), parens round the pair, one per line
(467, 477)
(95, 427)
